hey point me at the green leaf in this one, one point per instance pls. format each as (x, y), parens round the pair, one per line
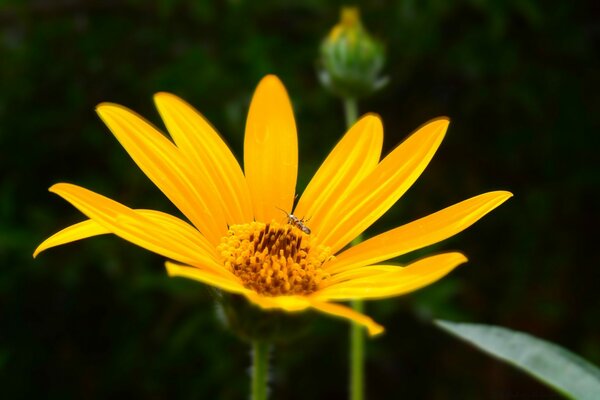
(560, 369)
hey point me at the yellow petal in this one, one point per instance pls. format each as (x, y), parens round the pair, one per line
(209, 155)
(286, 303)
(359, 272)
(228, 283)
(378, 191)
(353, 158)
(347, 313)
(300, 303)
(180, 229)
(70, 234)
(410, 278)
(271, 150)
(162, 234)
(417, 234)
(170, 171)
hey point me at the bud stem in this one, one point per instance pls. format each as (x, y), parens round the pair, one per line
(351, 111)
(260, 369)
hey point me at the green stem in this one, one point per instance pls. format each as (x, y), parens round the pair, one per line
(260, 369)
(357, 332)
(351, 111)
(357, 356)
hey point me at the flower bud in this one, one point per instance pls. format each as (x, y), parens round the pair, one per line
(351, 59)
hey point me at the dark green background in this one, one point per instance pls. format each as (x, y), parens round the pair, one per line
(100, 319)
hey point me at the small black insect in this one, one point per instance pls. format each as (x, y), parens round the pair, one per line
(297, 222)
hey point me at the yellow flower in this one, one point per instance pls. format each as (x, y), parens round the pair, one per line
(240, 241)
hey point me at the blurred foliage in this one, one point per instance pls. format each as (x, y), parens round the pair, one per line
(100, 319)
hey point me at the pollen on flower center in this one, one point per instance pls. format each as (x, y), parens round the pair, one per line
(274, 259)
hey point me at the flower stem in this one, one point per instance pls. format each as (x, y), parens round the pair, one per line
(357, 356)
(357, 332)
(260, 369)
(351, 111)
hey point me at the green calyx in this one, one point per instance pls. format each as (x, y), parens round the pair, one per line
(251, 323)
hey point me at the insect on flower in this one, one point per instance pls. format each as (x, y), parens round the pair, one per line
(297, 222)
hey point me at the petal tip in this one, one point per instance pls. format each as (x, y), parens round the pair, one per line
(371, 115)
(442, 118)
(270, 79)
(171, 269)
(499, 196)
(439, 125)
(105, 106)
(56, 187)
(434, 128)
(452, 258)
(161, 97)
(442, 121)
(375, 330)
(108, 110)
(162, 94)
(371, 118)
(273, 85)
(461, 259)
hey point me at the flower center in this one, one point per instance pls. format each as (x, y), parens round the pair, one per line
(274, 259)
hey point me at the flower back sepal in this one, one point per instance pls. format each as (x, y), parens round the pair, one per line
(251, 323)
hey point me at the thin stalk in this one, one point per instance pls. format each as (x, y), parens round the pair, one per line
(357, 332)
(260, 370)
(350, 111)
(357, 356)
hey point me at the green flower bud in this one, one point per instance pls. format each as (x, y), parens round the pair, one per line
(351, 59)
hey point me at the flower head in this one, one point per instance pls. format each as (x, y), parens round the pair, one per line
(239, 240)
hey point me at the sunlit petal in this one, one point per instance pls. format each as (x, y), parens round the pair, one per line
(359, 272)
(82, 230)
(404, 280)
(173, 240)
(209, 154)
(228, 283)
(271, 150)
(172, 173)
(420, 233)
(378, 191)
(341, 311)
(353, 158)
(286, 303)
